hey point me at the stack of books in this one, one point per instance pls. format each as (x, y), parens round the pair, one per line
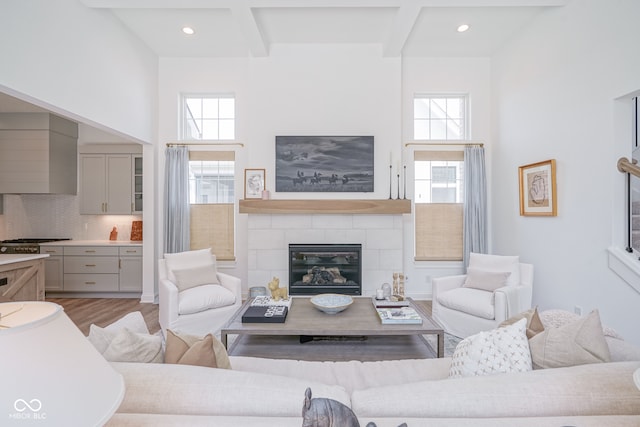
(264, 309)
(394, 315)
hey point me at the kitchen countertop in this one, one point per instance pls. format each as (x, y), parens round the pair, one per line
(13, 258)
(93, 243)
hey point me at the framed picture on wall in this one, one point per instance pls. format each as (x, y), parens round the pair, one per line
(254, 180)
(330, 164)
(538, 189)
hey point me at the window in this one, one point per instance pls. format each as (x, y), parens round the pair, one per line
(211, 195)
(210, 117)
(440, 117)
(439, 196)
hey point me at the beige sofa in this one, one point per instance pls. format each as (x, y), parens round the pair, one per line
(265, 392)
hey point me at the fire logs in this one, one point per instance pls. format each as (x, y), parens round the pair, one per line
(323, 276)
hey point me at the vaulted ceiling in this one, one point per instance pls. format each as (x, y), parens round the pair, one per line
(233, 28)
(240, 28)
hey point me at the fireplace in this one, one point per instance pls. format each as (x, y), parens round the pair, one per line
(325, 268)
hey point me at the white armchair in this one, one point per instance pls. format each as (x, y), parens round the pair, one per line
(198, 310)
(464, 309)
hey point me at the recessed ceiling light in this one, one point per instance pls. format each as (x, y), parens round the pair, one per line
(188, 30)
(462, 28)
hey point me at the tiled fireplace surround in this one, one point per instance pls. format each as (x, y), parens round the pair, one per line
(269, 236)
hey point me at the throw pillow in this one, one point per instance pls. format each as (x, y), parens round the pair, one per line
(196, 276)
(188, 259)
(497, 351)
(203, 298)
(497, 263)
(557, 318)
(485, 280)
(576, 343)
(199, 353)
(102, 337)
(129, 346)
(534, 324)
(194, 350)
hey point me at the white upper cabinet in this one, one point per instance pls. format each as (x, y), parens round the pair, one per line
(108, 183)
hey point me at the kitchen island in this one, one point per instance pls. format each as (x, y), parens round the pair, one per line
(22, 277)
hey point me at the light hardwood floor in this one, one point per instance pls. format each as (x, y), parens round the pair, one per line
(104, 311)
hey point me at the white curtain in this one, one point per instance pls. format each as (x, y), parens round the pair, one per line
(176, 200)
(475, 203)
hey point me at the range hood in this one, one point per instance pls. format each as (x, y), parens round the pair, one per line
(38, 154)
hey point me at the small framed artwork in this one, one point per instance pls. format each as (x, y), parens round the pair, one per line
(254, 180)
(538, 189)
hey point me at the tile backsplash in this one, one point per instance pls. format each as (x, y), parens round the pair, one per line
(53, 215)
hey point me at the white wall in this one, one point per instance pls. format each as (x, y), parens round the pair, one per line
(554, 96)
(81, 62)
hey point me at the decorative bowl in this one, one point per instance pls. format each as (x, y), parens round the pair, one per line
(331, 303)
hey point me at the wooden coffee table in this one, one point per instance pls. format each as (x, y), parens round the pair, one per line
(360, 319)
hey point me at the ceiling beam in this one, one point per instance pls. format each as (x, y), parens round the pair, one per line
(249, 28)
(403, 23)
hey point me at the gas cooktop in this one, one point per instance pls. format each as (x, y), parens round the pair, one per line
(34, 240)
(26, 245)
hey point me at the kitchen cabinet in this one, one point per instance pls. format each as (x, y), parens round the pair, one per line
(130, 268)
(110, 179)
(53, 268)
(92, 267)
(106, 182)
(22, 277)
(137, 183)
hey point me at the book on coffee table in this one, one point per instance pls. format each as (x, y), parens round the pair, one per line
(265, 301)
(268, 314)
(399, 315)
(389, 303)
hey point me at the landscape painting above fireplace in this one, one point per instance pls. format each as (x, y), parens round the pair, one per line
(324, 164)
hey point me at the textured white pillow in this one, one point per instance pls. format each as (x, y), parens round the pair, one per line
(204, 297)
(468, 300)
(129, 346)
(196, 276)
(499, 263)
(188, 259)
(496, 351)
(102, 337)
(485, 280)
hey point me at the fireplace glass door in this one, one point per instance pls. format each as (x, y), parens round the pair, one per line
(325, 268)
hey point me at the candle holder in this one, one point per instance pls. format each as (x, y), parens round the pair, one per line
(398, 198)
(405, 182)
(390, 182)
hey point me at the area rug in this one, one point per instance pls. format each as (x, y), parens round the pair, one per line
(450, 343)
(337, 348)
